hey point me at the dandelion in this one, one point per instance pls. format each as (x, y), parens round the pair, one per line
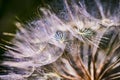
(81, 44)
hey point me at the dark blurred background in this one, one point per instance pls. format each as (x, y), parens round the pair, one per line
(10, 9)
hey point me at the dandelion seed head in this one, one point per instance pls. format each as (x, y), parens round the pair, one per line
(68, 41)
